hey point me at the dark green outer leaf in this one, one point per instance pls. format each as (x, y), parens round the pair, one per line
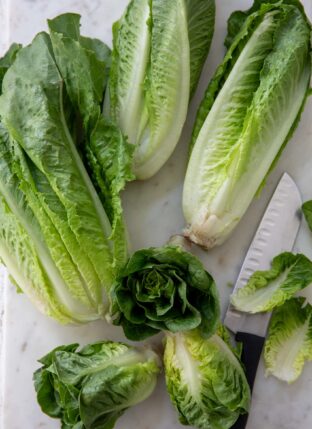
(43, 381)
(104, 394)
(8, 60)
(201, 20)
(83, 69)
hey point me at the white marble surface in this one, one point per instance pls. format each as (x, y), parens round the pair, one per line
(153, 212)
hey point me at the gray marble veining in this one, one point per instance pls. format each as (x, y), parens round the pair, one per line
(153, 213)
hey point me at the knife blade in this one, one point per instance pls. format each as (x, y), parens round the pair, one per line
(276, 233)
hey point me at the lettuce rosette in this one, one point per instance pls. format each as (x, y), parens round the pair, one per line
(167, 289)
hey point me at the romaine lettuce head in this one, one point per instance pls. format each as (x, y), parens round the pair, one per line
(250, 110)
(159, 48)
(164, 288)
(289, 342)
(90, 388)
(205, 380)
(59, 243)
(266, 290)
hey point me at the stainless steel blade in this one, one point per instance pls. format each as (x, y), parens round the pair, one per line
(276, 233)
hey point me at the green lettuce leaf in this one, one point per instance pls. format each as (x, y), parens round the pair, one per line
(307, 211)
(7, 60)
(289, 342)
(164, 288)
(201, 20)
(205, 380)
(91, 387)
(109, 160)
(266, 290)
(84, 64)
(249, 112)
(158, 51)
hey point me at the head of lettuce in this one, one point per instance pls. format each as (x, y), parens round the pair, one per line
(249, 112)
(167, 289)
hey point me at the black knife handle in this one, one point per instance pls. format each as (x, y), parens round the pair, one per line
(251, 353)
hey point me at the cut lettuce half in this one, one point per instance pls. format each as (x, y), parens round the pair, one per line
(266, 290)
(159, 48)
(289, 342)
(250, 110)
(205, 380)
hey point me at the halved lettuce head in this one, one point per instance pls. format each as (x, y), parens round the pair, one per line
(249, 112)
(58, 233)
(159, 48)
(205, 380)
(91, 387)
(289, 342)
(266, 290)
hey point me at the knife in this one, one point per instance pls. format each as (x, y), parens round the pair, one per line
(276, 233)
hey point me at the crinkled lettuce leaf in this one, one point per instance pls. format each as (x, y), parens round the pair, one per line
(91, 387)
(84, 65)
(266, 290)
(205, 380)
(164, 288)
(289, 342)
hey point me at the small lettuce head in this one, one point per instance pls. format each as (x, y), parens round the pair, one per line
(91, 387)
(164, 288)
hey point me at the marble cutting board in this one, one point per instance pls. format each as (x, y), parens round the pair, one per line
(153, 213)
